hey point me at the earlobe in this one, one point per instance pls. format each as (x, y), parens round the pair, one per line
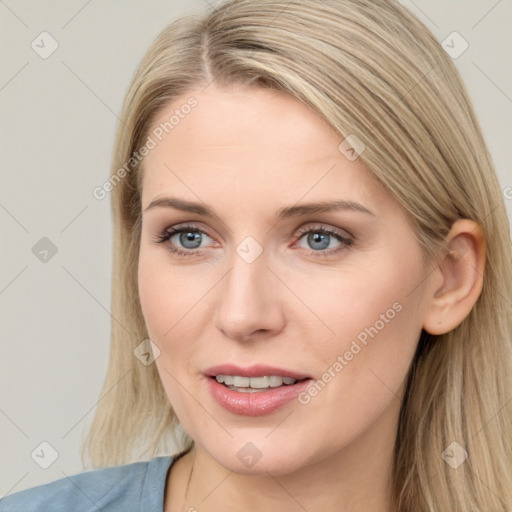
(460, 269)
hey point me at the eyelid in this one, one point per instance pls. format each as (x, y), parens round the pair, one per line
(320, 226)
(178, 228)
(189, 225)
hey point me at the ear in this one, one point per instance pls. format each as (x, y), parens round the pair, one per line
(458, 278)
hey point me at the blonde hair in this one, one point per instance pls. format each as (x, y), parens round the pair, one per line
(369, 68)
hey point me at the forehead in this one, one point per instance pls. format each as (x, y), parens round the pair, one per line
(247, 119)
(250, 142)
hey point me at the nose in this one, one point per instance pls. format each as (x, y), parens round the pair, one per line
(249, 301)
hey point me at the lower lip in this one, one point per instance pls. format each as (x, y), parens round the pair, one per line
(257, 403)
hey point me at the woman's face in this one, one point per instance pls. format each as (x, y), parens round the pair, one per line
(269, 286)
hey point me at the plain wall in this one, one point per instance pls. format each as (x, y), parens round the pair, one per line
(58, 119)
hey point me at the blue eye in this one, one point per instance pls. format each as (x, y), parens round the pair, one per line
(189, 237)
(188, 240)
(320, 238)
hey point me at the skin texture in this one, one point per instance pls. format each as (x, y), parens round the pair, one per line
(246, 153)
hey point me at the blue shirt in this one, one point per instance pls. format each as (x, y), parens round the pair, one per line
(135, 487)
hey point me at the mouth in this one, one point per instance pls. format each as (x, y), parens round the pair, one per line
(254, 384)
(256, 390)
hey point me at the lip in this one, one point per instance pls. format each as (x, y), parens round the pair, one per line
(257, 370)
(257, 403)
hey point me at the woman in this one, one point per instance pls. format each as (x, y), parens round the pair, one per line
(312, 275)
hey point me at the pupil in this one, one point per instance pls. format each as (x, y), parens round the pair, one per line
(188, 237)
(321, 238)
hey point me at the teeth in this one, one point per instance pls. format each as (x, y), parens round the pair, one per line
(259, 382)
(272, 381)
(275, 382)
(240, 382)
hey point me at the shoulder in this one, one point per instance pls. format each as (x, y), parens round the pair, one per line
(131, 487)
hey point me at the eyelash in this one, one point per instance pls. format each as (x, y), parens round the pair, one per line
(347, 241)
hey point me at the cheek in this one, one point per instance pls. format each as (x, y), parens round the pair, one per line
(370, 318)
(167, 300)
(173, 302)
(374, 319)
(169, 297)
(154, 298)
(368, 297)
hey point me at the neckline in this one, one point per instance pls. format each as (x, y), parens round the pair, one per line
(161, 506)
(155, 481)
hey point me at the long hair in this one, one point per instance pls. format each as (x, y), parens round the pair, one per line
(371, 69)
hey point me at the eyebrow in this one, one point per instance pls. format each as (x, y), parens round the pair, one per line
(282, 213)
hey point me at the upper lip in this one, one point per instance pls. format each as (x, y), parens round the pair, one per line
(256, 370)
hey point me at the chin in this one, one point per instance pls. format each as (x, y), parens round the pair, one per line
(247, 459)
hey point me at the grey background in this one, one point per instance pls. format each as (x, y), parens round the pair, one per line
(58, 118)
